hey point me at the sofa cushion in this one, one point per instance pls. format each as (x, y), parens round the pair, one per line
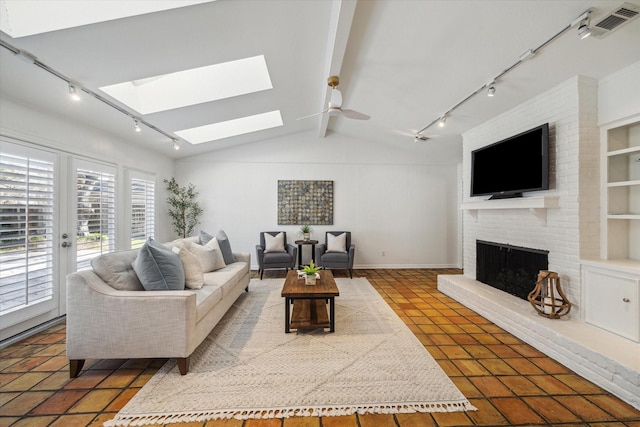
(115, 270)
(340, 257)
(273, 243)
(158, 268)
(337, 243)
(206, 299)
(213, 244)
(276, 258)
(225, 247)
(193, 278)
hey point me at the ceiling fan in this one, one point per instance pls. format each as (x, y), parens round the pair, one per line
(335, 104)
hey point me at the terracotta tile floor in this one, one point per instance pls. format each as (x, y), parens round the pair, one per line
(509, 382)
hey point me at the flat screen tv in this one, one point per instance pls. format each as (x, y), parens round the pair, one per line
(512, 166)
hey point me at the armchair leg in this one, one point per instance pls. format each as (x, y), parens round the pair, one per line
(75, 366)
(351, 273)
(261, 271)
(183, 365)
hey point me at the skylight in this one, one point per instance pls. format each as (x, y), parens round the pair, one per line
(234, 127)
(21, 18)
(194, 86)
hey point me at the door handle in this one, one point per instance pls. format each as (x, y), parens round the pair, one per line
(66, 244)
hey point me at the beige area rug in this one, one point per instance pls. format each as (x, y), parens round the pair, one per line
(249, 368)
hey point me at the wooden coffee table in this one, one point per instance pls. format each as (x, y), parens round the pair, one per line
(309, 302)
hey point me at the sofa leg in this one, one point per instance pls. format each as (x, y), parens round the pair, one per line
(351, 273)
(75, 366)
(183, 365)
(261, 271)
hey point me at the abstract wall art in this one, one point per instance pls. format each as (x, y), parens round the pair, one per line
(305, 202)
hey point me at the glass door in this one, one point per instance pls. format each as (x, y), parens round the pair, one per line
(28, 250)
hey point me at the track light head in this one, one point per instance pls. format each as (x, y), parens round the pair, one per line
(175, 144)
(583, 30)
(583, 22)
(442, 121)
(136, 125)
(73, 93)
(491, 91)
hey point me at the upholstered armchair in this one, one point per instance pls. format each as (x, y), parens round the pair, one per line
(274, 251)
(337, 251)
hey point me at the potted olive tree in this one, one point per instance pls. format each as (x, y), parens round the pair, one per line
(184, 209)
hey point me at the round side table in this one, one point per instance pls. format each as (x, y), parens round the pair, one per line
(300, 244)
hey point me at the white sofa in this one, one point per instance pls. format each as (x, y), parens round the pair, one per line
(111, 316)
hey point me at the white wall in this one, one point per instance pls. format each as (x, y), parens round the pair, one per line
(572, 230)
(619, 95)
(391, 200)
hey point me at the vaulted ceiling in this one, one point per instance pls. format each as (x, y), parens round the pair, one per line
(405, 63)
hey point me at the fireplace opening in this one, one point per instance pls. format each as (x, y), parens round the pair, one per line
(511, 269)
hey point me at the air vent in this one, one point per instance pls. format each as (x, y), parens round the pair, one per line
(614, 20)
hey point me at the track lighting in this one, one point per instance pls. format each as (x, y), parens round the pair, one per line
(136, 125)
(73, 93)
(582, 22)
(175, 144)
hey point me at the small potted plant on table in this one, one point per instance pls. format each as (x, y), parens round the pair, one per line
(310, 272)
(306, 230)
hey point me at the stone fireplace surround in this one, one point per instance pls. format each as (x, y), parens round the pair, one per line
(610, 361)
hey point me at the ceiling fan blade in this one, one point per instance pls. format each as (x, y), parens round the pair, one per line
(336, 98)
(312, 115)
(352, 114)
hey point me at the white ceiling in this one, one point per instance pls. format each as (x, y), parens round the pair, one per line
(402, 62)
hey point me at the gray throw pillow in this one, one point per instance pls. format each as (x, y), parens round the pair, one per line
(225, 247)
(205, 237)
(158, 268)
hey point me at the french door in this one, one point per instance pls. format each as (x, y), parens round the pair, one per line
(57, 212)
(28, 228)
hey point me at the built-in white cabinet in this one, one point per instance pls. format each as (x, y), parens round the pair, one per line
(612, 298)
(611, 285)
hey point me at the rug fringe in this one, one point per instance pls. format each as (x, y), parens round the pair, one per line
(316, 411)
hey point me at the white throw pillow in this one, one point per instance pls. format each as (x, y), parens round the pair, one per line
(193, 278)
(337, 243)
(206, 256)
(274, 243)
(213, 244)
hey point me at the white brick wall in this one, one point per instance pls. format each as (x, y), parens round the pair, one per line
(572, 230)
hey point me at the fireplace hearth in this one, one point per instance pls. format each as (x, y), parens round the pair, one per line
(511, 269)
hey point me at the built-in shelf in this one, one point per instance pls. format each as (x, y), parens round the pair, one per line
(623, 216)
(623, 183)
(628, 150)
(537, 205)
